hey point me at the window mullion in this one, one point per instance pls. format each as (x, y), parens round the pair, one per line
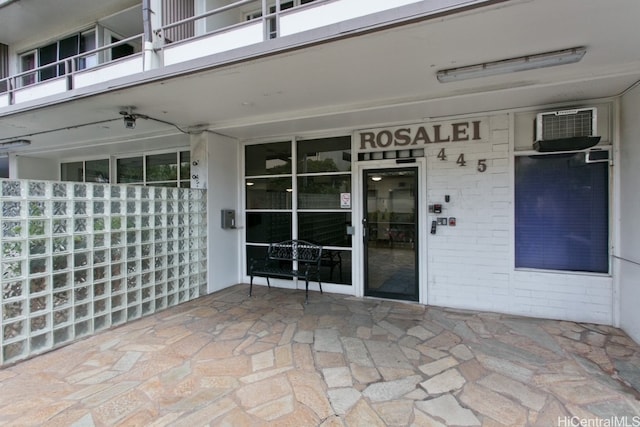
(294, 188)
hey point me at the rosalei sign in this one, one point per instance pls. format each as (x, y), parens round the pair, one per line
(416, 136)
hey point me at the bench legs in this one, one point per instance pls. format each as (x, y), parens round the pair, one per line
(306, 294)
(251, 284)
(306, 289)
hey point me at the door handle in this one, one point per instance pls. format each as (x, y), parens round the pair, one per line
(364, 229)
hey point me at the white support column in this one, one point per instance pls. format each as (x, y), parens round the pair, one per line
(199, 160)
(214, 165)
(154, 41)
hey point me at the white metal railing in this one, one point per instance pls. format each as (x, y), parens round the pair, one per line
(230, 26)
(78, 258)
(267, 13)
(65, 68)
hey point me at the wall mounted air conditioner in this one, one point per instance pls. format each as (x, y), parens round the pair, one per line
(566, 130)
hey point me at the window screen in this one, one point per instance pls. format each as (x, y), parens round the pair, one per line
(562, 213)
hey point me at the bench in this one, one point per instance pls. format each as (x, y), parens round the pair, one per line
(301, 260)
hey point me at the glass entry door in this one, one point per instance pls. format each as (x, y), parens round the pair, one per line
(390, 225)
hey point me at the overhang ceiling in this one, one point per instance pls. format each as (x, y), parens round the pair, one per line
(24, 21)
(381, 77)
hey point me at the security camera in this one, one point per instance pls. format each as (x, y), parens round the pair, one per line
(129, 122)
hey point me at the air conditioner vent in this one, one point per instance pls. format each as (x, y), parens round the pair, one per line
(566, 124)
(566, 130)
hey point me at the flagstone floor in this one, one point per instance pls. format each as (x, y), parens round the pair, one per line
(230, 360)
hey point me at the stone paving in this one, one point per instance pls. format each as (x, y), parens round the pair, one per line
(230, 360)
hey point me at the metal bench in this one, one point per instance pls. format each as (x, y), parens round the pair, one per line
(291, 258)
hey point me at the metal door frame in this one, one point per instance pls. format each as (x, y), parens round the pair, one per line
(421, 215)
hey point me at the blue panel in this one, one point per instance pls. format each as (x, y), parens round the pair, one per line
(562, 213)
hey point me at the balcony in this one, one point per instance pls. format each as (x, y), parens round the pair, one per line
(182, 36)
(74, 72)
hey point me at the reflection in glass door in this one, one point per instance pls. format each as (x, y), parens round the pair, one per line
(390, 233)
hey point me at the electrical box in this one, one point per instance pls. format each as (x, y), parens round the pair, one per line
(228, 218)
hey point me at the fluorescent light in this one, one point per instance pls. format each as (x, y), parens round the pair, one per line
(17, 143)
(523, 63)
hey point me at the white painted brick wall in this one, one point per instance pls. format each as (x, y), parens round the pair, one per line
(471, 265)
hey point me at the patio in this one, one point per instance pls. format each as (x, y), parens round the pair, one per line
(227, 359)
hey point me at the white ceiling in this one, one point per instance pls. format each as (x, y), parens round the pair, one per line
(381, 77)
(24, 21)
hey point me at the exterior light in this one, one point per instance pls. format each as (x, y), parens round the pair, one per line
(17, 143)
(522, 63)
(129, 122)
(129, 117)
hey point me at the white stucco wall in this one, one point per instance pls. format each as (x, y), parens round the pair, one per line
(221, 157)
(629, 278)
(24, 167)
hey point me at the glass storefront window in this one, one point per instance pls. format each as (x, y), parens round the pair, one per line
(322, 192)
(268, 159)
(267, 227)
(324, 155)
(185, 169)
(96, 170)
(260, 253)
(269, 193)
(160, 170)
(325, 228)
(335, 266)
(72, 171)
(162, 167)
(321, 174)
(130, 170)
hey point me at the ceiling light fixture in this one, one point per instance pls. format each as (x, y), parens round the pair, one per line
(16, 143)
(522, 63)
(376, 178)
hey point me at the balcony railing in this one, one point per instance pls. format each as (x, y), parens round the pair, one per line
(73, 72)
(234, 25)
(78, 258)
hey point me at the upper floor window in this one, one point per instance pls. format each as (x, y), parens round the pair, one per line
(4, 66)
(57, 51)
(284, 5)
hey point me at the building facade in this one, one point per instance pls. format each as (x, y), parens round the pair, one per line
(477, 154)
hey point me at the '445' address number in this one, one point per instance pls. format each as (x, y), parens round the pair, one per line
(460, 161)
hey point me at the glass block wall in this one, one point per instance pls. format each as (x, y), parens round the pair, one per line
(78, 258)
